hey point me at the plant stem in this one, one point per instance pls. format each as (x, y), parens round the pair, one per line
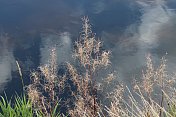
(161, 104)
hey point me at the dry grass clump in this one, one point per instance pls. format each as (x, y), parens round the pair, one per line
(46, 86)
(91, 58)
(152, 97)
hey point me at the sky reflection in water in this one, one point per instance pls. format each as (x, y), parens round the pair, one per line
(129, 28)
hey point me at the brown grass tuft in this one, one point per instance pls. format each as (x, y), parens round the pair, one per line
(46, 86)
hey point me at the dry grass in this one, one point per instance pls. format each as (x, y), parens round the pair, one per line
(154, 96)
(46, 86)
(90, 56)
(20, 73)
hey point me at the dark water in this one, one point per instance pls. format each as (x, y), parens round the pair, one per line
(128, 28)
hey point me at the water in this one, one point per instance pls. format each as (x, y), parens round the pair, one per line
(129, 28)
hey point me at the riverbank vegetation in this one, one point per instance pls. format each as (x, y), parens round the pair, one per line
(78, 92)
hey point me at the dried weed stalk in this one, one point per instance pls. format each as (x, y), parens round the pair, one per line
(46, 86)
(91, 57)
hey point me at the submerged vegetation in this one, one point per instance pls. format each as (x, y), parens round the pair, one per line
(77, 90)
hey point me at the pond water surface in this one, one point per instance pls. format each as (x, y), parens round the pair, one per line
(129, 28)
